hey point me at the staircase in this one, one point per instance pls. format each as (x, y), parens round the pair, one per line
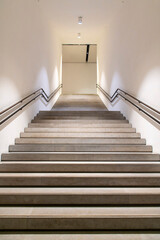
(80, 167)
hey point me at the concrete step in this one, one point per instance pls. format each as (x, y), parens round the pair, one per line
(81, 118)
(78, 148)
(79, 196)
(85, 117)
(83, 235)
(79, 218)
(89, 156)
(80, 121)
(76, 125)
(85, 167)
(111, 141)
(80, 179)
(79, 113)
(78, 130)
(79, 135)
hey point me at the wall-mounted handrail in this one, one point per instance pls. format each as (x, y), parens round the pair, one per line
(118, 93)
(40, 92)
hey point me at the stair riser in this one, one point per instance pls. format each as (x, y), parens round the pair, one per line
(80, 130)
(76, 125)
(83, 168)
(80, 117)
(80, 141)
(79, 113)
(79, 157)
(119, 199)
(78, 148)
(46, 181)
(81, 223)
(80, 135)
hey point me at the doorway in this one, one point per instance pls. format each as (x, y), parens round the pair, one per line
(79, 68)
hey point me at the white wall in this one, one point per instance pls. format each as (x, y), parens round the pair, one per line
(129, 58)
(30, 58)
(79, 78)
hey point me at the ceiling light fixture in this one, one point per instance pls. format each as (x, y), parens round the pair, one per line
(78, 35)
(79, 20)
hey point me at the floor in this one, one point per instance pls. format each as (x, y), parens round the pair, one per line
(79, 103)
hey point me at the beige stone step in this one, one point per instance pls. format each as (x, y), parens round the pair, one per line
(77, 166)
(83, 235)
(78, 148)
(79, 121)
(78, 156)
(80, 179)
(121, 141)
(79, 135)
(79, 113)
(79, 196)
(78, 130)
(79, 218)
(109, 117)
(77, 125)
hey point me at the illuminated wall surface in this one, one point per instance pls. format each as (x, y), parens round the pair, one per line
(128, 58)
(128, 55)
(30, 58)
(79, 78)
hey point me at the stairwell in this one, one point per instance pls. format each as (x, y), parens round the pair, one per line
(80, 167)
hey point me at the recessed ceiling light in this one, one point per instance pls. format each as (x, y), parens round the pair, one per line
(78, 35)
(79, 20)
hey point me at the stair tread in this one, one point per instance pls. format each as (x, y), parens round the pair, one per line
(70, 129)
(80, 212)
(79, 148)
(33, 140)
(77, 125)
(82, 175)
(83, 236)
(88, 121)
(91, 111)
(81, 134)
(81, 191)
(81, 156)
(94, 163)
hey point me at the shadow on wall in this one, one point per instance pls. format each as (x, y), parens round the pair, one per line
(10, 86)
(152, 78)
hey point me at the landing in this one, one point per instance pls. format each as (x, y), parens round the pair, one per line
(79, 103)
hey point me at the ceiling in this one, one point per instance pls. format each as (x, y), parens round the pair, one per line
(64, 16)
(77, 53)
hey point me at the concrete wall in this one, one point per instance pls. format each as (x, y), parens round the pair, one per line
(30, 58)
(129, 58)
(79, 78)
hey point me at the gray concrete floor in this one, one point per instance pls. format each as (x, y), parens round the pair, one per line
(79, 103)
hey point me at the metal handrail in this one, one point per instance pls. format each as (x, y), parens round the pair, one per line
(41, 93)
(117, 93)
